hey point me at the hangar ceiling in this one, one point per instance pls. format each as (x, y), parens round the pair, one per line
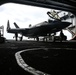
(66, 5)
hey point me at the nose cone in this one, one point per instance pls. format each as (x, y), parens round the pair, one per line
(66, 24)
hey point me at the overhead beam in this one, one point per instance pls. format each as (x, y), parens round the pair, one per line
(44, 3)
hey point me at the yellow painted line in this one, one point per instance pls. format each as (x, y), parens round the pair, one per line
(25, 66)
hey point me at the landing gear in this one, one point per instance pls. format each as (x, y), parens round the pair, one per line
(16, 36)
(21, 38)
(37, 38)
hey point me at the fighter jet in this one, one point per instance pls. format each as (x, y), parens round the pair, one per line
(41, 29)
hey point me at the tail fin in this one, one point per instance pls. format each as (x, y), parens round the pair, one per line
(8, 25)
(16, 25)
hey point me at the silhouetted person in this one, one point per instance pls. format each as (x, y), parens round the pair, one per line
(62, 36)
(37, 38)
(16, 35)
(53, 37)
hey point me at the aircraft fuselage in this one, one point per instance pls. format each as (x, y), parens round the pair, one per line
(41, 29)
(46, 28)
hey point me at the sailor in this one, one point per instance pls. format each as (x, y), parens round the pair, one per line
(62, 36)
(16, 35)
